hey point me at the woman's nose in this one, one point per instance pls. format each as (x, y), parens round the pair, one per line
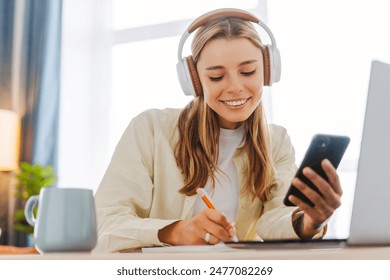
(234, 84)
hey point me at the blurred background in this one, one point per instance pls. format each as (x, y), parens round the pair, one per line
(74, 73)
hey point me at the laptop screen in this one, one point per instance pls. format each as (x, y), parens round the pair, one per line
(370, 222)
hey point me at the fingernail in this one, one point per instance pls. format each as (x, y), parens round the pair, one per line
(295, 182)
(306, 170)
(327, 162)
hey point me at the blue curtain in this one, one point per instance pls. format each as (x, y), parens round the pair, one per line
(41, 80)
(6, 32)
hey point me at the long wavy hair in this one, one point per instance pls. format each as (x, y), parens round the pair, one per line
(196, 151)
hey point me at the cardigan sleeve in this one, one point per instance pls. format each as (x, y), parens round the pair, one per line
(124, 197)
(276, 220)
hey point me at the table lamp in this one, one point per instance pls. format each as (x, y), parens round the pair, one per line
(9, 158)
(9, 140)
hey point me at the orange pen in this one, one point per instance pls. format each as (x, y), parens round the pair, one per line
(207, 200)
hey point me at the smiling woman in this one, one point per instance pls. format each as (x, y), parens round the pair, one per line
(220, 142)
(231, 73)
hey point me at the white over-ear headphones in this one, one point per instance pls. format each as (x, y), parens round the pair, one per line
(186, 69)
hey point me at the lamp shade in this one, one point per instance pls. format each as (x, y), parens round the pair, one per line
(9, 140)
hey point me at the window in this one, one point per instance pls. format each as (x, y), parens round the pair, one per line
(130, 14)
(326, 49)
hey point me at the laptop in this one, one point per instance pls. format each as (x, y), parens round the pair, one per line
(370, 222)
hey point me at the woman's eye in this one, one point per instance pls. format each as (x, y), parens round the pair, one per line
(248, 73)
(216, 79)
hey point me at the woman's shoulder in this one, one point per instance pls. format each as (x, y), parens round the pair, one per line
(159, 114)
(160, 117)
(279, 138)
(155, 124)
(277, 132)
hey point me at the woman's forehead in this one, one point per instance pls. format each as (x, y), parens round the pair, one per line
(222, 50)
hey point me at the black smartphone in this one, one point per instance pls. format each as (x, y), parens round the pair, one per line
(322, 146)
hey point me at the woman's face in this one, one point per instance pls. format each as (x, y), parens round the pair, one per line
(231, 73)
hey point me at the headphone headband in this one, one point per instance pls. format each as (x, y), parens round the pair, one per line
(187, 74)
(221, 13)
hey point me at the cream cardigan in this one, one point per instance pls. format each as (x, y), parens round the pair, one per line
(139, 194)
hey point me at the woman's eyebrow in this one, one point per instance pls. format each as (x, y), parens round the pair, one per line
(217, 67)
(214, 67)
(248, 62)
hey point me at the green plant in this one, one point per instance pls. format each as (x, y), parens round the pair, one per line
(31, 179)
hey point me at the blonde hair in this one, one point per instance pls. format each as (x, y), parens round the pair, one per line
(196, 151)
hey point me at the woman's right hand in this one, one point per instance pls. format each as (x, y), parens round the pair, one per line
(194, 230)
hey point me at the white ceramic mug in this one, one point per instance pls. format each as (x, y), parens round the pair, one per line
(65, 222)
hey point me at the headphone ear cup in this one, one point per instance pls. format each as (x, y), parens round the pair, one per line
(276, 64)
(267, 66)
(193, 73)
(184, 77)
(272, 65)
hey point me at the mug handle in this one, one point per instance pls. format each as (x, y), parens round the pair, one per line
(28, 209)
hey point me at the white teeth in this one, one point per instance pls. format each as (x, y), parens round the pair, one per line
(235, 103)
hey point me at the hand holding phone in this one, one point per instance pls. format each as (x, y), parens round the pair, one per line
(322, 146)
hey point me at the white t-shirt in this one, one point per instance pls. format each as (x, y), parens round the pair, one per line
(226, 192)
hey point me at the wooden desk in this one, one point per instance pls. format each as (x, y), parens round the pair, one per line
(12, 250)
(350, 253)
